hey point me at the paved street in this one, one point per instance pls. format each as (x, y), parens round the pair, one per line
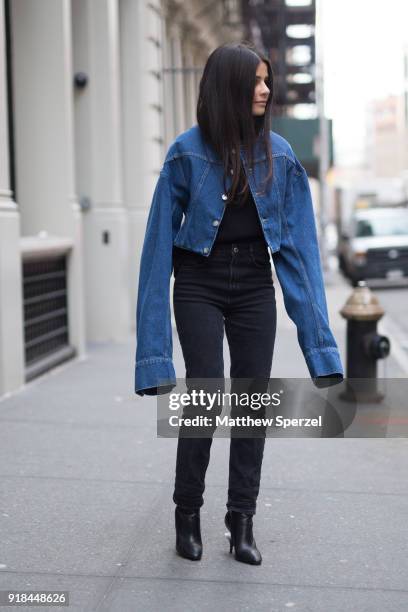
(395, 302)
(86, 486)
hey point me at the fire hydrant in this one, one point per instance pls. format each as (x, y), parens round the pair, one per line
(364, 345)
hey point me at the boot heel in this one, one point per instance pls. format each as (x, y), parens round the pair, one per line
(229, 534)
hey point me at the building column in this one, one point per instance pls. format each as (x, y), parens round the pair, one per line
(11, 309)
(99, 167)
(143, 121)
(190, 79)
(43, 136)
(177, 76)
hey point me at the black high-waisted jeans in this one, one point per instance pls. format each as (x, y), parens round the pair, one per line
(232, 288)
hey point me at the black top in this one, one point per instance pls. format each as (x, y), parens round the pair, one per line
(240, 222)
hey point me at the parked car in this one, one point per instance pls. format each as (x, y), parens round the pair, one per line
(376, 245)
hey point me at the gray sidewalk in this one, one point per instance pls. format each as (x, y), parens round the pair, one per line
(85, 501)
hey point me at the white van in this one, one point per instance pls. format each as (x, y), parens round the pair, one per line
(376, 245)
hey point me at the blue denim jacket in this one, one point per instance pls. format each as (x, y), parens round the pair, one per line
(186, 210)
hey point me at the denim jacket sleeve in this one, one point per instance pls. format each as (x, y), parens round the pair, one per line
(154, 368)
(299, 271)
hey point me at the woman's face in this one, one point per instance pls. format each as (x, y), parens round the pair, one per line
(261, 93)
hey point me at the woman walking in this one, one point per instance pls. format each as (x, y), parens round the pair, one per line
(230, 188)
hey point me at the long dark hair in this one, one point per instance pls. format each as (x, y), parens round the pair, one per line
(224, 110)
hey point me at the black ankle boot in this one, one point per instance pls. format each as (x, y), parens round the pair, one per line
(240, 526)
(188, 533)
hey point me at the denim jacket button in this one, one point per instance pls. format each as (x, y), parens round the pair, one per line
(216, 222)
(224, 197)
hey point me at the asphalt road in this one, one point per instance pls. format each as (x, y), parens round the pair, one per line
(394, 300)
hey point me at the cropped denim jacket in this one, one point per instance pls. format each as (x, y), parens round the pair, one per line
(186, 210)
